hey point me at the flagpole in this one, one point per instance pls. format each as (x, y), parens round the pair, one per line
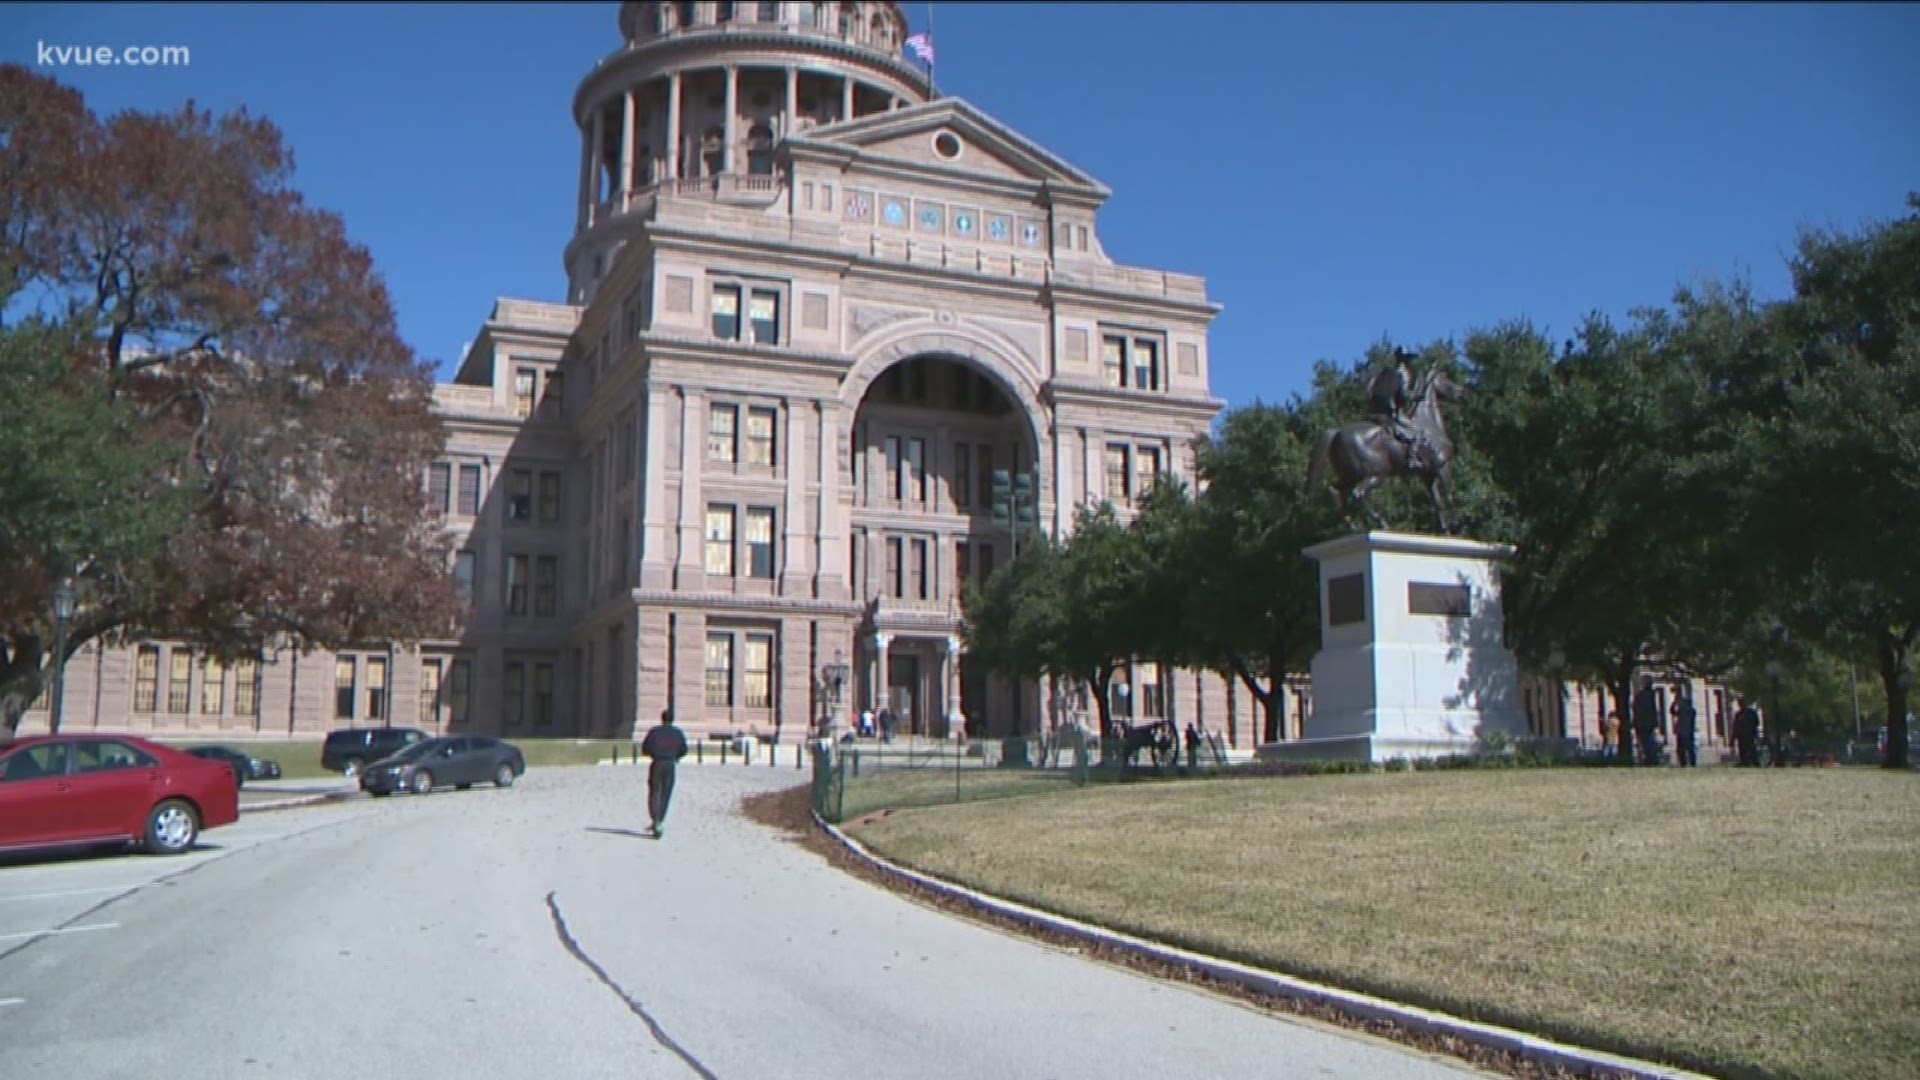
(933, 84)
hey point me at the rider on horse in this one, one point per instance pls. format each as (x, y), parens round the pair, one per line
(1390, 404)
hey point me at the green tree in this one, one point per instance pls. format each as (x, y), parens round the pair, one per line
(1843, 454)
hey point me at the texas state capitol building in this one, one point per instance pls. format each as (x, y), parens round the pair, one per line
(812, 308)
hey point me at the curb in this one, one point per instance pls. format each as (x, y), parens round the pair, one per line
(1534, 1048)
(286, 804)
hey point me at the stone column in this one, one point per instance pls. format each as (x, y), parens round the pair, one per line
(626, 148)
(599, 141)
(655, 561)
(586, 176)
(691, 568)
(730, 124)
(846, 98)
(793, 99)
(952, 689)
(794, 550)
(830, 534)
(673, 126)
(877, 681)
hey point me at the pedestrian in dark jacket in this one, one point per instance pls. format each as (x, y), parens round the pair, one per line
(1684, 720)
(1746, 734)
(665, 745)
(1646, 721)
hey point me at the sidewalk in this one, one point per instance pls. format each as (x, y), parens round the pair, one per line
(282, 794)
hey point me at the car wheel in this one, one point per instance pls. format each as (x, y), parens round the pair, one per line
(503, 776)
(461, 787)
(171, 828)
(379, 794)
(352, 767)
(422, 782)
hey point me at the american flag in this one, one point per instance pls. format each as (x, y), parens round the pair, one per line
(922, 46)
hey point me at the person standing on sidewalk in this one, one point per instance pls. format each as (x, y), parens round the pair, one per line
(1684, 719)
(665, 746)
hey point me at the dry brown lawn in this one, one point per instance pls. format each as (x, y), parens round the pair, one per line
(1758, 923)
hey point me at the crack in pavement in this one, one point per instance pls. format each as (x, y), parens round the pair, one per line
(633, 1005)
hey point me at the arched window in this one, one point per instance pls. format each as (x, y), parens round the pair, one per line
(769, 11)
(688, 13)
(760, 150)
(877, 31)
(810, 14)
(723, 11)
(710, 155)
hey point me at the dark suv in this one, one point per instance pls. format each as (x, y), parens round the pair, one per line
(349, 749)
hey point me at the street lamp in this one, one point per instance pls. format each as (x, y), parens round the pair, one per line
(62, 611)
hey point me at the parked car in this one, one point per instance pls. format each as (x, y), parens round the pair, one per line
(349, 749)
(460, 760)
(82, 790)
(1913, 742)
(244, 765)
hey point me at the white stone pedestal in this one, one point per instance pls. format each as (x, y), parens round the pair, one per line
(1411, 662)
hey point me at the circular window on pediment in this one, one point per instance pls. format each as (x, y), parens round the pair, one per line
(947, 145)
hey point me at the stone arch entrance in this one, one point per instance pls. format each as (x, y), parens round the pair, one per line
(935, 412)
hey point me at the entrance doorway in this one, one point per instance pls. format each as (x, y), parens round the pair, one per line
(903, 692)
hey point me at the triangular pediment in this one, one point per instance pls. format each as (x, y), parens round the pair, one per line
(952, 135)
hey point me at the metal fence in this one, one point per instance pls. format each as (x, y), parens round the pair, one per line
(859, 777)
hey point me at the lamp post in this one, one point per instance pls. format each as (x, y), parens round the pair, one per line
(62, 611)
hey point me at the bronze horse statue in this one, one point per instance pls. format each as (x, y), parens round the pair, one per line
(1364, 454)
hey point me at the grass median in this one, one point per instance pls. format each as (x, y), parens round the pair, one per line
(1739, 922)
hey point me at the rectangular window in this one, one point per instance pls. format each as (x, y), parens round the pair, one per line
(896, 584)
(1113, 360)
(726, 312)
(763, 315)
(769, 12)
(146, 680)
(962, 565)
(246, 687)
(962, 474)
(546, 585)
(917, 570)
(554, 401)
(430, 691)
(516, 592)
(760, 428)
(543, 694)
(896, 484)
(719, 671)
(985, 500)
(916, 463)
(469, 490)
(376, 688)
(213, 687)
(629, 447)
(1117, 475)
(463, 571)
(757, 671)
(720, 520)
(549, 498)
(520, 495)
(524, 382)
(722, 425)
(179, 679)
(1146, 364)
(625, 569)
(439, 487)
(459, 691)
(513, 693)
(1146, 469)
(986, 561)
(1153, 702)
(343, 683)
(760, 542)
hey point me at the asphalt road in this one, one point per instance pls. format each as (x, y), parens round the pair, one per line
(534, 932)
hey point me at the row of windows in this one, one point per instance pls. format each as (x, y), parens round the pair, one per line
(346, 672)
(724, 555)
(908, 573)
(687, 13)
(724, 442)
(906, 475)
(213, 683)
(753, 682)
(1132, 360)
(521, 488)
(526, 391)
(762, 324)
(546, 585)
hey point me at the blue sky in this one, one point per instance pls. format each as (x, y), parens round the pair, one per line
(1339, 173)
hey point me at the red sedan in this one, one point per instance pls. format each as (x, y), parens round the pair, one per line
(62, 790)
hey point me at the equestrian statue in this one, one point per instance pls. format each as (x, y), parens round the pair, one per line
(1404, 435)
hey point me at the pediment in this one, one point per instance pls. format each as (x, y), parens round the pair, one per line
(951, 135)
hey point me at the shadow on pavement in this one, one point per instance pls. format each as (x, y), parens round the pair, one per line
(622, 832)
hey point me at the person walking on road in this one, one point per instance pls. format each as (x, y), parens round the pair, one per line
(1746, 734)
(665, 745)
